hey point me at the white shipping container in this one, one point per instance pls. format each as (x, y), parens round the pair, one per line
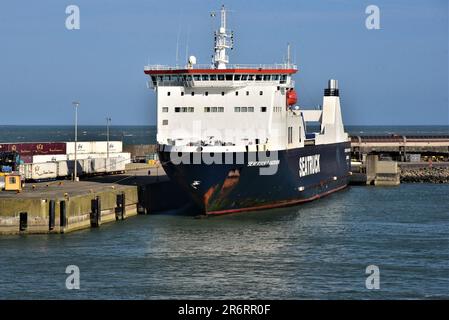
(83, 167)
(80, 156)
(126, 156)
(81, 147)
(102, 146)
(63, 169)
(38, 171)
(49, 158)
(115, 164)
(98, 165)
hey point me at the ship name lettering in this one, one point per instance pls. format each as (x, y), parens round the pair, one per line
(309, 165)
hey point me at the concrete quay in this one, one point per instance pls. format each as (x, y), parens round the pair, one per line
(63, 206)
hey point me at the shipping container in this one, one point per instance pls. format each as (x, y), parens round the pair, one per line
(83, 167)
(35, 148)
(102, 147)
(63, 169)
(98, 165)
(49, 158)
(81, 156)
(40, 171)
(81, 147)
(126, 157)
(116, 164)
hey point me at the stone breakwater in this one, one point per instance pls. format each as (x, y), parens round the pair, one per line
(425, 175)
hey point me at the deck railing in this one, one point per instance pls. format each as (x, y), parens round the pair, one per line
(275, 66)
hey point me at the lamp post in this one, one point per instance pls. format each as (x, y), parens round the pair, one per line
(108, 121)
(76, 105)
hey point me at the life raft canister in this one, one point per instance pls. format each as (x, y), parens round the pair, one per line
(292, 97)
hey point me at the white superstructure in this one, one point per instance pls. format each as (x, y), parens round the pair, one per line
(223, 107)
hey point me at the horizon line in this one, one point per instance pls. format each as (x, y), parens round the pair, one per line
(154, 125)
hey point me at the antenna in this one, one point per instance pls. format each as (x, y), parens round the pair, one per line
(223, 41)
(187, 45)
(288, 54)
(177, 46)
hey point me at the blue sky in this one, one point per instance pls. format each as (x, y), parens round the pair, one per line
(397, 75)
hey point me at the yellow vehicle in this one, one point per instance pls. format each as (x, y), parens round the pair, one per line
(13, 182)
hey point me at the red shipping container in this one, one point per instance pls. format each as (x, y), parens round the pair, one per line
(35, 148)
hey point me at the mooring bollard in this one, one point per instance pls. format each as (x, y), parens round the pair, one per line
(141, 206)
(62, 214)
(23, 222)
(95, 214)
(120, 209)
(51, 215)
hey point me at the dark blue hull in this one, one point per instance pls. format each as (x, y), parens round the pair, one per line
(226, 188)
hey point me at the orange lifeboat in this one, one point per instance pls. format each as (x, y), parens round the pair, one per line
(292, 97)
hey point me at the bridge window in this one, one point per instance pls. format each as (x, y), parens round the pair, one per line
(229, 77)
(266, 78)
(221, 77)
(258, 77)
(213, 109)
(196, 77)
(275, 77)
(283, 78)
(250, 77)
(189, 78)
(237, 77)
(205, 77)
(244, 77)
(213, 77)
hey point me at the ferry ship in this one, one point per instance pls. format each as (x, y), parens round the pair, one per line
(234, 138)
